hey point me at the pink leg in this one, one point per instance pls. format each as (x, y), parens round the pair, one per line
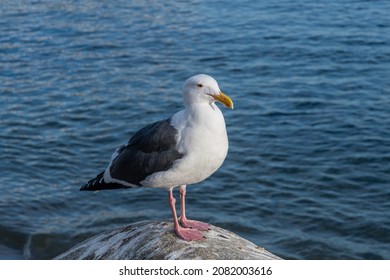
(186, 234)
(183, 219)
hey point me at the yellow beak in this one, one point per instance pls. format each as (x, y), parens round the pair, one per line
(224, 99)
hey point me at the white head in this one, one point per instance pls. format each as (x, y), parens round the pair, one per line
(204, 89)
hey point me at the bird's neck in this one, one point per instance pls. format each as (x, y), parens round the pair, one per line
(202, 111)
(206, 115)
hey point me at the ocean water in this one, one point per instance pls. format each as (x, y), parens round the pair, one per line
(307, 175)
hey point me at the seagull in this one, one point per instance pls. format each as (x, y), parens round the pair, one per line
(185, 149)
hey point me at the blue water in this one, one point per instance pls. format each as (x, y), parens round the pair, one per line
(308, 173)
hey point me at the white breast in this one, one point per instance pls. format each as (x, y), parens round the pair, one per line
(202, 139)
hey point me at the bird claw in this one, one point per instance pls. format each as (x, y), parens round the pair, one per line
(188, 234)
(192, 224)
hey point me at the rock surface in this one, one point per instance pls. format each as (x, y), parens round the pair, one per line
(156, 240)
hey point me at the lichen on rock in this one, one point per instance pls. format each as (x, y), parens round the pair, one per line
(156, 240)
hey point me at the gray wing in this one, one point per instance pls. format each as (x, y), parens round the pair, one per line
(151, 149)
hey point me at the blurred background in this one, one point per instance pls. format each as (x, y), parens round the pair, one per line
(307, 175)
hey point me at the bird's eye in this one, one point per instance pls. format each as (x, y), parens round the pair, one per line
(199, 85)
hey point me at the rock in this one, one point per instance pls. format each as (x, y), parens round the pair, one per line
(156, 240)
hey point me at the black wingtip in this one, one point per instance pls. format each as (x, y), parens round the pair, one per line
(99, 184)
(84, 188)
(94, 184)
(87, 187)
